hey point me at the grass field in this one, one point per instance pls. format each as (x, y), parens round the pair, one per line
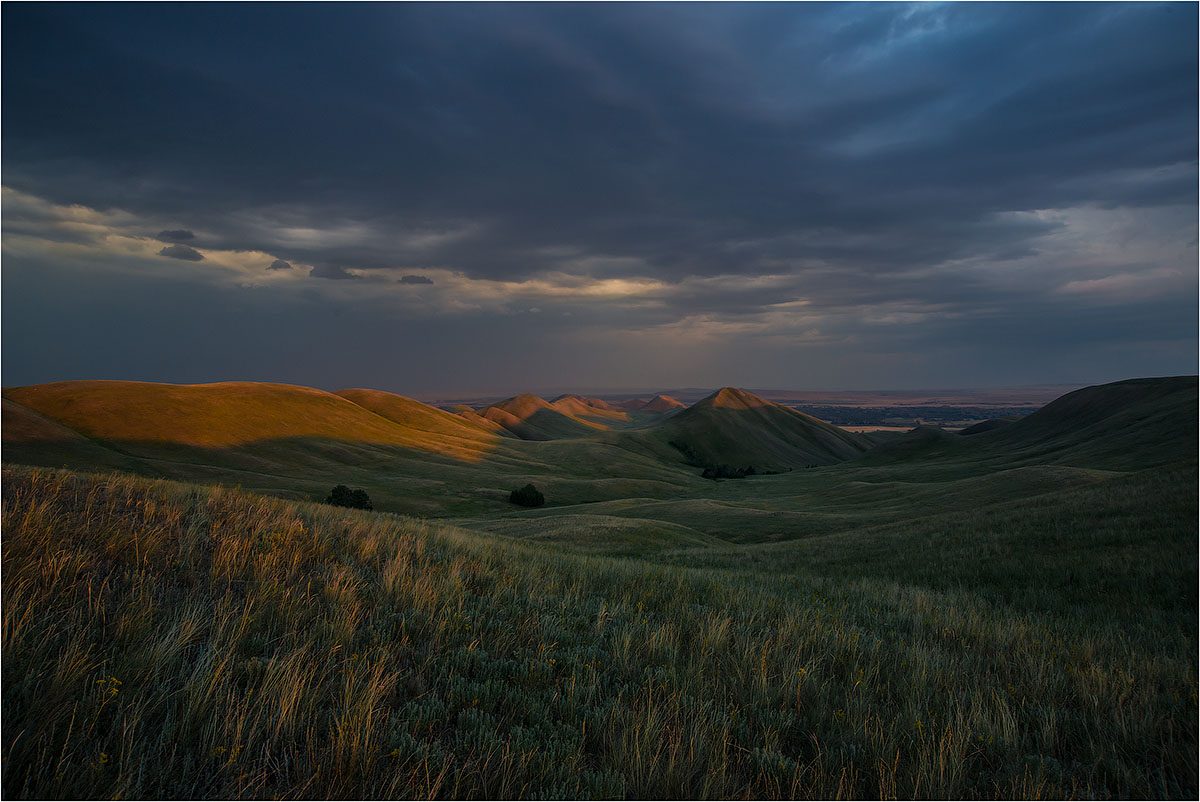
(161, 640)
(972, 617)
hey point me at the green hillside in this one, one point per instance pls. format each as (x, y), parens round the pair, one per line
(168, 641)
(735, 428)
(926, 442)
(1009, 614)
(297, 443)
(1125, 425)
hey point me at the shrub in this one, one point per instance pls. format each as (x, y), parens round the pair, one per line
(527, 496)
(726, 472)
(342, 496)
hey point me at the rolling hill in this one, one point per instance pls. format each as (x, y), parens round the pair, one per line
(1126, 425)
(298, 442)
(595, 403)
(987, 426)
(630, 404)
(586, 410)
(1123, 426)
(1014, 610)
(533, 418)
(413, 414)
(926, 442)
(735, 428)
(662, 403)
(147, 418)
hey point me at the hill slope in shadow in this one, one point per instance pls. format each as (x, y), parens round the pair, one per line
(1123, 426)
(735, 428)
(1126, 425)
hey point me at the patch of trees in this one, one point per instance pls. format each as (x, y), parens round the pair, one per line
(342, 496)
(527, 496)
(726, 472)
(712, 471)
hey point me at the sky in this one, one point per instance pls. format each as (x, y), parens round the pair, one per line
(439, 199)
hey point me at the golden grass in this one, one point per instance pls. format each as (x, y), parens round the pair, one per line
(578, 408)
(534, 418)
(24, 425)
(232, 414)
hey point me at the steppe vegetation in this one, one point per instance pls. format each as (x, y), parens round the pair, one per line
(1010, 614)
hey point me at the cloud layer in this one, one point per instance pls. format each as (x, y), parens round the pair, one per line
(802, 194)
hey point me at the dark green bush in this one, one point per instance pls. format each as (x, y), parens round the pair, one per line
(726, 472)
(342, 496)
(527, 496)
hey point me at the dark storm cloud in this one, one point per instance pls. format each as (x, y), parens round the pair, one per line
(865, 153)
(182, 252)
(330, 272)
(414, 279)
(176, 235)
(279, 264)
(678, 135)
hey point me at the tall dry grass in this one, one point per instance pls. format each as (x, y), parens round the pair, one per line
(162, 640)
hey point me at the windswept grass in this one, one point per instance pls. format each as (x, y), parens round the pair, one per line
(163, 640)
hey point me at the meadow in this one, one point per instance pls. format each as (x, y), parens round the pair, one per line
(162, 640)
(931, 619)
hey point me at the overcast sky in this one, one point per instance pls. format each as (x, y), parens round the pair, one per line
(440, 199)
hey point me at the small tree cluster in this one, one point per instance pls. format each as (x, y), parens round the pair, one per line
(527, 496)
(726, 472)
(342, 496)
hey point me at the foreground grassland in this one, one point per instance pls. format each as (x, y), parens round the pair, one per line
(167, 640)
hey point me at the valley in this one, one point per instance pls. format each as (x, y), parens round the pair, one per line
(1005, 611)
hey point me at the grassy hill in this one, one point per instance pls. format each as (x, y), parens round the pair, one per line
(36, 439)
(167, 641)
(413, 414)
(926, 442)
(987, 426)
(420, 460)
(231, 414)
(297, 442)
(587, 410)
(662, 403)
(533, 418)
(1125, 425)
(735, 428)
(595, 403)
(1009, 614)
